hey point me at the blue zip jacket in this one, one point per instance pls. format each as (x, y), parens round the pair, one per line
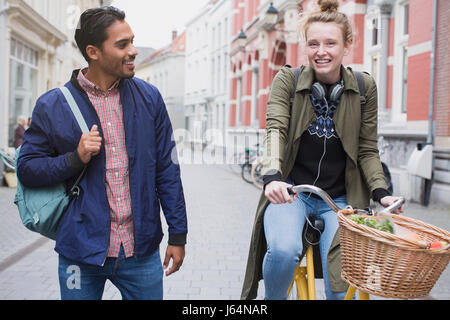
(48, 156)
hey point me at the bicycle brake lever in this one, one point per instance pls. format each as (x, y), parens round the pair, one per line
(388, 210)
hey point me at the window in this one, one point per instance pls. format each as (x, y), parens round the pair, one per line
(23, 83)
(400, 63)
(219, 34)
(217, 124)
(217, 82)
(166, 84)
(405, 79)
(225, 72)
(213, 75)
(238, 103)
(403, 46)
(24, 53)
(405, 19)
(374, 32)
(374, 66)
(373, 42)
(254, 105)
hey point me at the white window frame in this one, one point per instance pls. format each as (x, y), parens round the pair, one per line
(400, 41)
(239, 100)
(254, 97)
(372, 50)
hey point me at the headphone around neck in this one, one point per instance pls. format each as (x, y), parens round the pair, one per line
(335, 92)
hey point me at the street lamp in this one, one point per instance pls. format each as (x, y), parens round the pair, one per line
(271, 19)
(242, 39)
(271, 15)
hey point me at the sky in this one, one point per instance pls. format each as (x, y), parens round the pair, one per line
(153, 21)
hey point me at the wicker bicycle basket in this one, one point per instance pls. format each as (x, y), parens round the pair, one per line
(387, 265)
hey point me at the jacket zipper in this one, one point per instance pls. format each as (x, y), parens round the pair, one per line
(104, 179)
(78, 87)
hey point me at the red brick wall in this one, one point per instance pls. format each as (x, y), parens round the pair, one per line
(420, 21)
(420, 29)
(356, 55)
(418, 86)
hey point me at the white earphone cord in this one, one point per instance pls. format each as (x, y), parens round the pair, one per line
(320, 162)
(314, 183)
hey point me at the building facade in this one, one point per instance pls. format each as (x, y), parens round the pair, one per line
(38, 54)
(207, 65)
(165, 69)
(393, 42)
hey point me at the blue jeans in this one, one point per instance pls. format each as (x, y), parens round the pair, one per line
(136, 278)
(283, 225)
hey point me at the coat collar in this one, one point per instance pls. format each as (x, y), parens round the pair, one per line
(75, 83)
(306, 79)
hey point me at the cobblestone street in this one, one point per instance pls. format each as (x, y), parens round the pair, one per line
(221, 208)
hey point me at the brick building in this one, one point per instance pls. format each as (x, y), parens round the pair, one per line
(393, 42)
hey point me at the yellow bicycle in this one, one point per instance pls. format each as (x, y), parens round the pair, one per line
(303, 286)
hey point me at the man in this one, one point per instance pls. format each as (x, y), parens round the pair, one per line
(112, 230)
(20, 131)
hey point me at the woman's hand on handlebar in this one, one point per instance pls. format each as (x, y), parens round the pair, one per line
(277, 192)
(388, 200)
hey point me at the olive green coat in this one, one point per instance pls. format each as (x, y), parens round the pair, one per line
(358, 133)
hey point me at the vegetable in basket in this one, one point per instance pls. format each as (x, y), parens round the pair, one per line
(384, 225)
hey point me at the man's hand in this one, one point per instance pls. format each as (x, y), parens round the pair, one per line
(388, 200)
(176, 253)
(276, 192)
(89, 145)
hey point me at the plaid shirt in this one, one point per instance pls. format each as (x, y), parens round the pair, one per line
(109, 110)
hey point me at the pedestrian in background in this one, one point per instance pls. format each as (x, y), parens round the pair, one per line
(112, 230)
(325, 139)
(20, 131)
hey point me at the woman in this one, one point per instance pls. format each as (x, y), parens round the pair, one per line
(324, 139)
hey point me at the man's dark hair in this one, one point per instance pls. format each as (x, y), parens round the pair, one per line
(91, 29)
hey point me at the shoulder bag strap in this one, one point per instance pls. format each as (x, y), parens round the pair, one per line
(75, 191)
(74, 107)
(297, 72)
(362, 89)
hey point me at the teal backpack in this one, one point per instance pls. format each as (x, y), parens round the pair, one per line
(41, 209)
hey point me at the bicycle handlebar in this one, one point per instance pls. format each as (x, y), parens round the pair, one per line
(321, 193)
(317, 191)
